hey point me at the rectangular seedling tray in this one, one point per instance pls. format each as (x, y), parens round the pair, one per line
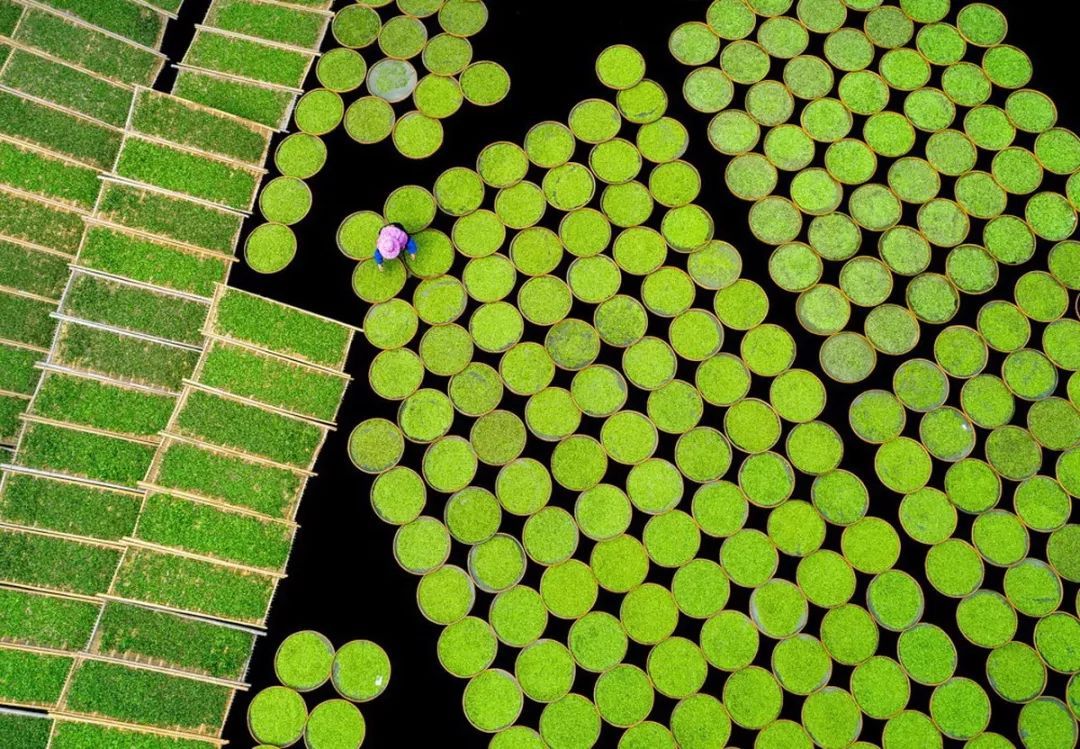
(42, 224)
(215, 532)
(31, 678)
(123, 357)
(33, 270)
(272, 21)
(135, 308)
(157, 263)
(127, 18)
(11, 408)
(258, 102)
(175, 641)
(58, 564)
(89, 48)
(139, 696)
(86, 140)
(68, 507)
(224, 52)
(209, 474)
(56, 82)
(200, 176)
(9, 16)
(26, 320)
(234, 425)
(199, 127)
(194, 585)
(108, 406)
(85, 455)
(34, 171)
(17, 371)
(46, 620)
(271, 379)
(78, 735)
(170, 217)
(280, 328)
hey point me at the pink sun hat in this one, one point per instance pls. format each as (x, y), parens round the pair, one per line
(391, 242)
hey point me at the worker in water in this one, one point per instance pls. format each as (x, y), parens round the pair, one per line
(392, 240)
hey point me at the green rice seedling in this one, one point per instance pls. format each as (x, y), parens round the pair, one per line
(209, 531)
(46, 621)
(156, 263)
(124, 17)
(131, 695)
(106, 406)
(84, 454)
(56, 563)
(229, 479)
(9, 16)
(25, 730)
(11, 408)
(88, 48)
(170, 217)
(281, 329)
(248, 59)
(83, 139)
(258, 103)
(57, 179)
(181, 642)
(123, 357)
(5, 53)
(61, 84)
(194, 585)
(269, 379)
(232, 424)
(135, 308)
(35, 271)
(300, 28)
(74, 735)
(188, 173)
(169, 6)
(17, 372)
(26, 320)
(68, 507)
(183, 122)
(39, 223)
(32, 679)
